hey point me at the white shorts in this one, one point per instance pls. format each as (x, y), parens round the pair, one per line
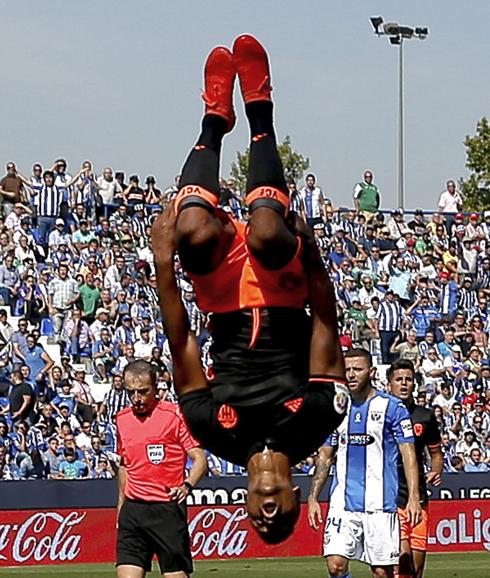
(373, 538)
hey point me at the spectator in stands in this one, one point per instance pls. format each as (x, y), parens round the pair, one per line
(38, 360)
(9, 281)
(64, 398)
(153, 195)
(22, 399)
(108, 186)
(103, 355)
(52, 459)
(11, 189)
(450, 201)
(115, 400)
(63, 293)
(77, 336)
(133, 194)
(72, 468)
(466, 445)
(366, 197)
(83, 395)
(7, 470)
(313, 200)
(474, 463)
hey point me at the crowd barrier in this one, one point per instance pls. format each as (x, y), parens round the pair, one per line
(75, 522)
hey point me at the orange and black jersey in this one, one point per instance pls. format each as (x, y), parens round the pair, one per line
(259, 356)
(427, 435)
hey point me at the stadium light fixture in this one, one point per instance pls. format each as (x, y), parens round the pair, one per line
(397, 34)
(376, 21)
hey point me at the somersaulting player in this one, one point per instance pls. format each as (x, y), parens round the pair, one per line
(271, 399)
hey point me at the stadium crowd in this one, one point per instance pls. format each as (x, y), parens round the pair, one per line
(79, 296)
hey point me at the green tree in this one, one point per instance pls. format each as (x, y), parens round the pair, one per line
(295, 164)
(476, 188)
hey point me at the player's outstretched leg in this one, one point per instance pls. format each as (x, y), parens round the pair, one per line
(269, 239)
(202, 237)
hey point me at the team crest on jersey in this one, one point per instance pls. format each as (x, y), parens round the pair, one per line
(227, 416)
(340, 399)
(376, 416)
(155, 453)
(418, 429)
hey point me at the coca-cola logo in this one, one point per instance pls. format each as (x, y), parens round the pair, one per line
(218, 532)
(44, 536)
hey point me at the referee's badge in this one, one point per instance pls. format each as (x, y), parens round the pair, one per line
(155, 453)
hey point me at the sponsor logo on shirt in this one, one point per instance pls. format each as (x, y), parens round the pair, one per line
(357, 439)
(407, 430)
(376, 416)
(155, 453)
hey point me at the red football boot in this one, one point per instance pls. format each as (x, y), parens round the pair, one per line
(219, 78)
(252, 66)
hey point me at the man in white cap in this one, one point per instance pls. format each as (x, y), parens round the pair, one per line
(13, 219)
(101, 321)
(58, 236)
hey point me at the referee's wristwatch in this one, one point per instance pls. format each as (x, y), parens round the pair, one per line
(189, 486)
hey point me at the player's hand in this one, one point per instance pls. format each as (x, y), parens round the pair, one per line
(414, 510)
(163, 232)
(433, 478)
(179, 493)
(315, 518)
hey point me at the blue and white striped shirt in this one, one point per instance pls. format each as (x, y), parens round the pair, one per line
(366, 476)
(389, 316)
(49, 201)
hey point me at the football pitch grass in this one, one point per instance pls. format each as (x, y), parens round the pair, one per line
(474, 565)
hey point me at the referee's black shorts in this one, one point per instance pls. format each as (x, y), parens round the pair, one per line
(146, 529)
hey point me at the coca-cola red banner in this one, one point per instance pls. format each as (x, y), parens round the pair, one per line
(77, 536)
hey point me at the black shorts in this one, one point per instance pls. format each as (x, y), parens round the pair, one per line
(146, 529)
(297, 426)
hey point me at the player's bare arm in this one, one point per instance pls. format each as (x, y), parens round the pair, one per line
(409, 459)
(325, 352)
(323, 464)
(188, 372)
(434, 477)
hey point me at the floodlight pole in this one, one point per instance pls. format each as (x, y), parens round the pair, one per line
(401, 141)
(397, 35)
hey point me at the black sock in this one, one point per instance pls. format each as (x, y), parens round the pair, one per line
(202, 165)
(259, 116)
(213, 129)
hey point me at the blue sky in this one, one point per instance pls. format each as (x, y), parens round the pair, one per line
(118, 82)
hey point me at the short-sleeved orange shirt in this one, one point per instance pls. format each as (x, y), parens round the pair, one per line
(154, 451)
(241, 282)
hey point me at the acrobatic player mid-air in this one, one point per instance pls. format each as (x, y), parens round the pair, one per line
(272, 398)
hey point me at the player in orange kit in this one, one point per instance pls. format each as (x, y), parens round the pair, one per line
(271, 399)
